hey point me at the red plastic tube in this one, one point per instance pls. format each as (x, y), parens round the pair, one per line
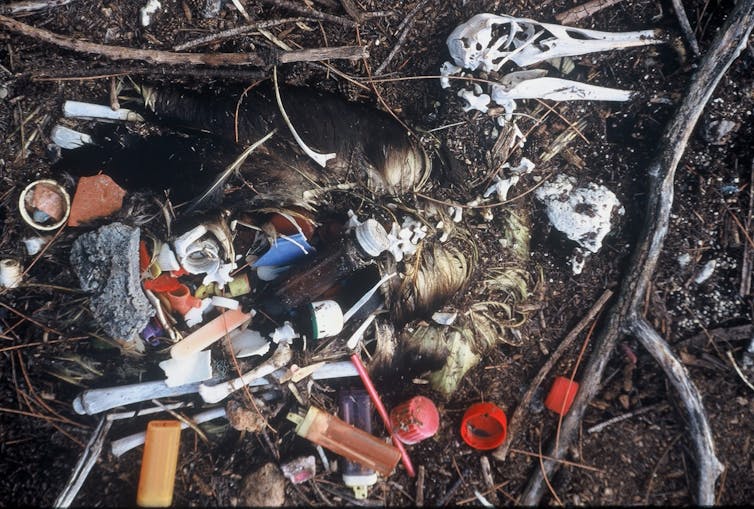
(369, 386)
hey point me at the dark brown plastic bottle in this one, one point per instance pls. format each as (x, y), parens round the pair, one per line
(359, 249)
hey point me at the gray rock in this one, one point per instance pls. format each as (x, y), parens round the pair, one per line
(106, 262)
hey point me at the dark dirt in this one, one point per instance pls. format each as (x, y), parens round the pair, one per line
(45, 325)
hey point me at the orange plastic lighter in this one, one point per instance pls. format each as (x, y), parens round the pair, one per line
(158, 464)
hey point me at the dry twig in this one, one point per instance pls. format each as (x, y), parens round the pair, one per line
(404, 28)
(171, 58)
(576, 14)
(308, 11)
(683, 21)
(625, 315)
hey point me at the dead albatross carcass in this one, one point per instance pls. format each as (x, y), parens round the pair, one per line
(306, 144)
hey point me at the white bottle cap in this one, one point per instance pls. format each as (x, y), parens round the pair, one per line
(327, 319)
(372, 237)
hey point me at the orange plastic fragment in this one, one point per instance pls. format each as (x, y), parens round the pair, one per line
(158, 464)
(97, 196)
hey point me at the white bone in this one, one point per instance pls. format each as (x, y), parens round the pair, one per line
(145, 13)
(558, 89)
(448, 69)
(471, 44)
(474, 101)
(94, 401)
(216, 393)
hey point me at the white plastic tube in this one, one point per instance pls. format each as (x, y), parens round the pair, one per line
(77, 109)
(125, 444)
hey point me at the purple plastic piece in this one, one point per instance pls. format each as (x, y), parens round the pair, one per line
(152, 332)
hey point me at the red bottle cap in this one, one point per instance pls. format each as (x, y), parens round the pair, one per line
(561, 395)
(484, 426)
(415, 420)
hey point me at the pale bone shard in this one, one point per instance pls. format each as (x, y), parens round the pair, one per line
(479, 102)
(448, 69)
(145, 13)
(471, 45)
(527, 42)
(706, 272)
(106, 262)
(501, 186)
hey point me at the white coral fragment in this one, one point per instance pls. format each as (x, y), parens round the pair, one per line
(583, 214)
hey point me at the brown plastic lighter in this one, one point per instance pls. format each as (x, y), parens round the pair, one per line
(348, 441)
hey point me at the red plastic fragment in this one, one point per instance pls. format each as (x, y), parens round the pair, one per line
(162, 283)
(561, 396)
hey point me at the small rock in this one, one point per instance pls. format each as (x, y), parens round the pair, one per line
(264, 488)
(624, 401)
(718, 132)
(243, 419)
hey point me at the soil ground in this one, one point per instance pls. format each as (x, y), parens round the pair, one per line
(644, 459)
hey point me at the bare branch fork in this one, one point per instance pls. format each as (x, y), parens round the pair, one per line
(625, 316)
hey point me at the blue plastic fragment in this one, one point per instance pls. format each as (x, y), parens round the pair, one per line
(287, 250)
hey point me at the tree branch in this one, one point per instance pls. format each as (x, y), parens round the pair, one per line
(170, 58)
(627, 309)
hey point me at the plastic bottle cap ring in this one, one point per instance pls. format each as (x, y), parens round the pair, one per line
(372, 237)
(484, 426)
